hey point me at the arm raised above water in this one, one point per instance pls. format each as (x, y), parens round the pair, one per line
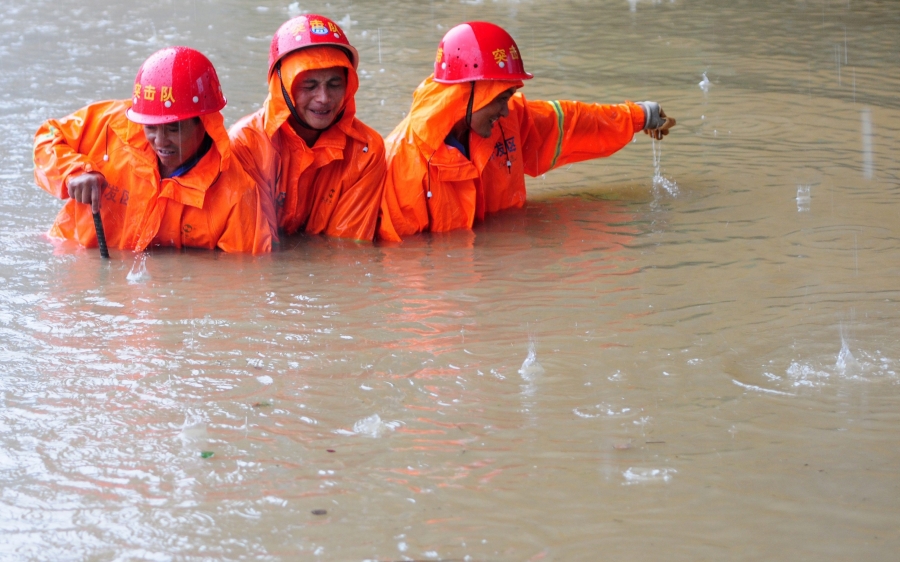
(557, 133)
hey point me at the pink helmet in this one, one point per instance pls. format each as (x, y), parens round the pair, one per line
(175, 83)
(308, 30)
(478, 50)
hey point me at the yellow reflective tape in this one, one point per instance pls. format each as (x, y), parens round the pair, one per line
(559, 125)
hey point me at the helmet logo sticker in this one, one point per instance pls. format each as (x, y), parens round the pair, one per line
(165, 96)
(298, 31)
(306, 31)
(500, 57)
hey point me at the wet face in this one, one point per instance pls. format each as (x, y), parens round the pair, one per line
(319, 95)
(174, 143)
(483, 120)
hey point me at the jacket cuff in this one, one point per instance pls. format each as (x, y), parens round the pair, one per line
(652, 120)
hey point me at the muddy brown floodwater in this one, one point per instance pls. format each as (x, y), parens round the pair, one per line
(682, 352)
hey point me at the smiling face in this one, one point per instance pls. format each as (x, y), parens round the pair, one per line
(174, 143)
(319, 96)
(483, 120)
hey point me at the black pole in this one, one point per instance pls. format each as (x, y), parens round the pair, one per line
(101, 236)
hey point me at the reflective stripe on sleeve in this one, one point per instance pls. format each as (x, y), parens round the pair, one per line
(559, 126)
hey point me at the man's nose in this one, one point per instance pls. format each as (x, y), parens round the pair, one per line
(322, 94)
(161, 138)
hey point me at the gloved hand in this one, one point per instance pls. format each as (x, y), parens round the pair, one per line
(656, 122)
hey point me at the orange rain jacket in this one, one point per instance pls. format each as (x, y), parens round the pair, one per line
(536, 137)
(214, 205)
(333, 187)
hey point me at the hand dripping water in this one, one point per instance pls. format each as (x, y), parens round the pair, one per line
(659, 181)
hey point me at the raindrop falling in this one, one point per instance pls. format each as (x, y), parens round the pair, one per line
(803, 198)
(868, 163)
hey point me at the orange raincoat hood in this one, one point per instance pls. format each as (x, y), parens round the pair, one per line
(437, 107)
(312, 58)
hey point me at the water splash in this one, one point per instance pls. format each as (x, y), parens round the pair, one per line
(705, 84)
(804, 374)
(603, 410)
(660, 181)
(531, 368)
(347, 23)
(646, 475)
(193, 430)
(372, 426)
(294, 9)
(846, 364)
(138, 273)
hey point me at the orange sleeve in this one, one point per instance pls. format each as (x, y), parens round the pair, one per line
(403, 205)
(356, 213)
(246, 229)
(61, 147)
(260, 160)
(556, 133)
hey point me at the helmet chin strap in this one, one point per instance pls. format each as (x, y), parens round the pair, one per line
(468, 108)
(293, 110)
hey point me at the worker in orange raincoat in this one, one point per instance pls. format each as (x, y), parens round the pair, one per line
(319, 169)
(448, 165)
(158, 167)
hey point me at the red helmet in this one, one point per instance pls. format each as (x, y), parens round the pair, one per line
(173, 84)
(308, 30)
(478, 50)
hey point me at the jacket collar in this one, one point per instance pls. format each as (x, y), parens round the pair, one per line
(189, 189)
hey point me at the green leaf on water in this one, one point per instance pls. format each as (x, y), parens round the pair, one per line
(206, 454)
